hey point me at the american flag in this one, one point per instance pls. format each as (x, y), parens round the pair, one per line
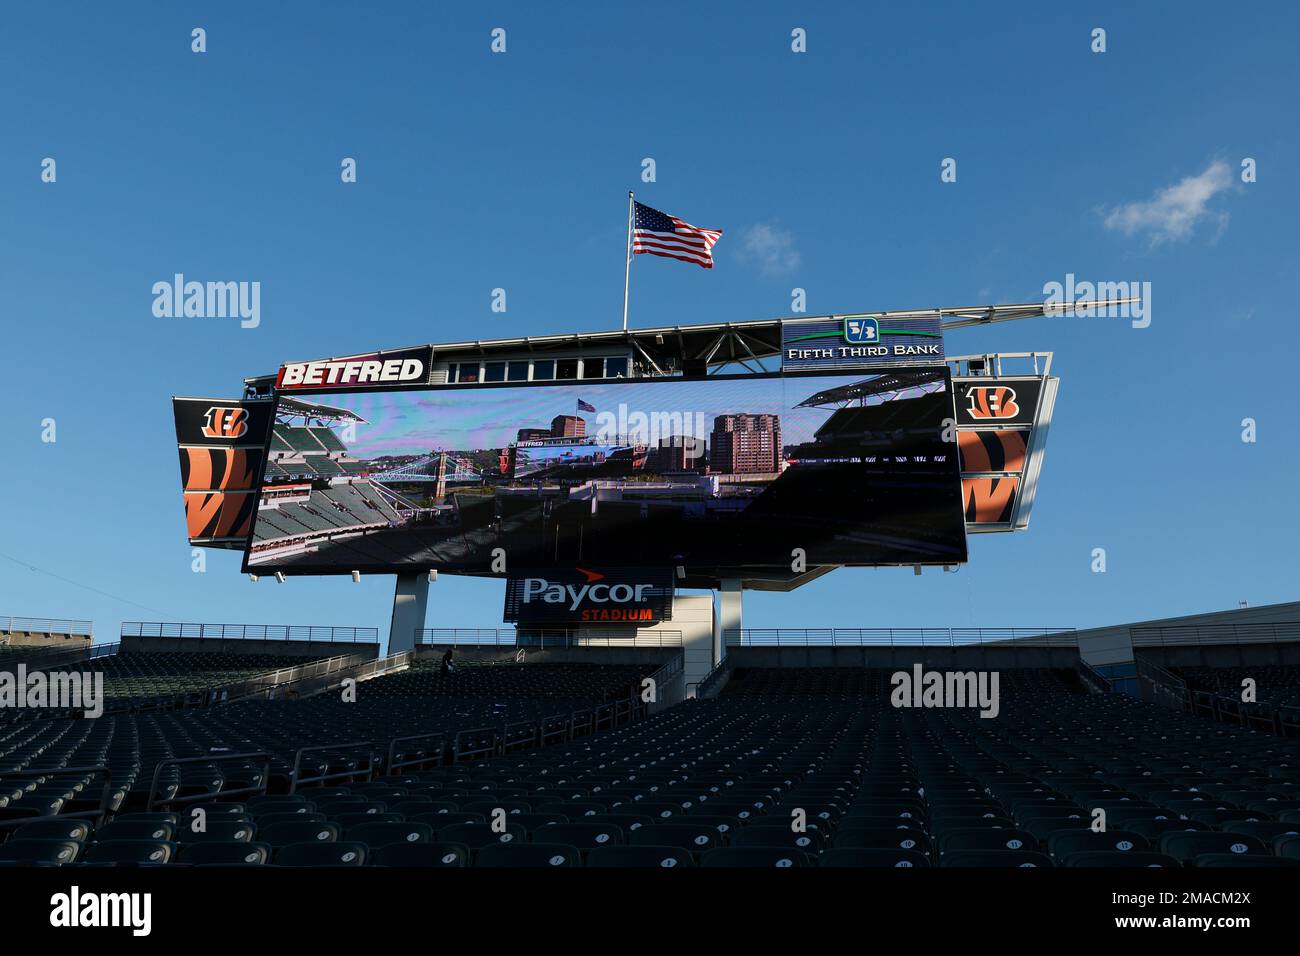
(663, 235)
(585, 406)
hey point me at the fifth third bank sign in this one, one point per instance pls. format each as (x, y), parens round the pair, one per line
(860, 341)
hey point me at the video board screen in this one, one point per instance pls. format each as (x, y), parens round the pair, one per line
(719, 475)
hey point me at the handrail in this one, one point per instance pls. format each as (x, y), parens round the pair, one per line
(704, 688)
(261, 788)
(58, 656)
(252, 686)
(46, 625)
(1095, 680)
(1182, 635)
(97, 816)
(901, 637)
(541, 637)
(394, 765)
(251, 632)
(296, 780)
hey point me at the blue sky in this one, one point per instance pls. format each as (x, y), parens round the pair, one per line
(479, 171)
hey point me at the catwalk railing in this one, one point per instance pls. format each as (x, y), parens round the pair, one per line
(46, 625)
(546, 637)
(901, 637)
(1183, 635)
(252, 632)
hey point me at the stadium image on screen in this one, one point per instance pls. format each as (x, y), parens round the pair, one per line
(710, 474)
(736, 476)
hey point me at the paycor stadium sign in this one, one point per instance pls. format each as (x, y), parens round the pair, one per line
(571, 596)
(860, 341)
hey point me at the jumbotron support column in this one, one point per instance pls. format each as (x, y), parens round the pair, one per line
(728, 621)
(410, 601)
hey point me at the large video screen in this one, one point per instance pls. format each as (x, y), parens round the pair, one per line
(720, 475)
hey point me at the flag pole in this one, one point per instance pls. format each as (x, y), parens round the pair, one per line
(627, 266)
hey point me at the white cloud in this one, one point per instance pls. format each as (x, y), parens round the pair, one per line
(1173, 213)
(771, 248)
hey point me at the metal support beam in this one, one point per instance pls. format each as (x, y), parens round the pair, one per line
(410, 601)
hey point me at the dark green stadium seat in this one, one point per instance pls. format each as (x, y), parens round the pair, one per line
(130, 851)
(217, 831)
(422, 855)
(78, 830)
(1186, 846)
(754, 856)
(527, 855)
(340, 853)
(585, 836)
(286, 834)
(477, 835)
(1064, 842)
(873, 858)
(230, 853)
(995, 858)
(376, 835)
(1217, 860)
(135, 830)
(1116, 858)
(35, 851)
(639, 856)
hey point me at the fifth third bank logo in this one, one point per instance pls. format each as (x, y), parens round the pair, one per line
(862, 330)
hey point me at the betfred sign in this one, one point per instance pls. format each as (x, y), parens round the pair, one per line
(353, 371)
(580, 595)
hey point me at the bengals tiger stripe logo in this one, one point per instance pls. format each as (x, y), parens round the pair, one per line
(223, 421)
(992, 401)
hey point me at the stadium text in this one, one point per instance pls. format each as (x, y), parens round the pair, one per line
(75, 909)
(595, 593)
(919, 688)
(350, 372)
(209, 300)
(865, 351)
(58, 690)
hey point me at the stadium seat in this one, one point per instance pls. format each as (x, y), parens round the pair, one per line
(78, 830)
(217, 831)
(135, 830)
(321, 853)
(756, 856)
(1118, 858)
(527, 855)
(130, 851)
(40, 851)
(376, 835)
(696, 839)
(585, 836)
(225, 853)
(1185, 846)
(872, 858)
(288, 834)
(422, 855)
(810, 841)
(639, 856)
(1241, 860)
(1064, 842)
(995, 858)
(478, 835)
